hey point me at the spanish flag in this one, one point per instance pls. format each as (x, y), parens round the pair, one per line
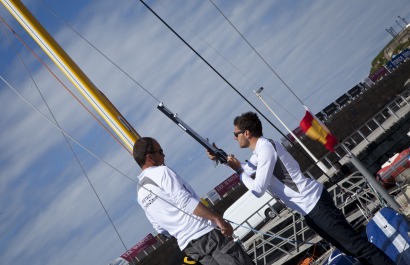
(317, 131)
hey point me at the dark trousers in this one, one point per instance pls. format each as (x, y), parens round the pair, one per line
(214, 248)
(330, 223)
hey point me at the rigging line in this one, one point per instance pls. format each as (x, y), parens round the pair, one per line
(96, 194)
(250, 45)
(99, 51)
(99, 198)
(210, 46)
(278, 103)
(83, 147)
(207, 63)
(66, 139)
(65, 133)
(227, 60)
(68, 90)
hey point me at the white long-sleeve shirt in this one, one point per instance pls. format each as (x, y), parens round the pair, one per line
(277, 171)
(169, 202)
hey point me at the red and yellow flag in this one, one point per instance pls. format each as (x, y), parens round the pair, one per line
(318, 132)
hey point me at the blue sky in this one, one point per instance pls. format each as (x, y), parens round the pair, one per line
(49, 213)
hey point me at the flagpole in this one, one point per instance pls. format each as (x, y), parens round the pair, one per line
(317, 162)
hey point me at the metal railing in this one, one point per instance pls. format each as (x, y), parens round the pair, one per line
(353, 196)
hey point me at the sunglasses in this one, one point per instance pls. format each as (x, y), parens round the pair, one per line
(159, 151)
(238, 132)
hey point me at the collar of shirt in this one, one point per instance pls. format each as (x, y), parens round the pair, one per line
(258, 144)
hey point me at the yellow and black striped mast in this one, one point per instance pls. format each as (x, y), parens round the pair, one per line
(94, 96)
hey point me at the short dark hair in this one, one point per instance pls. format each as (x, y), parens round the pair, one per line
(249, 121)
(142, 147)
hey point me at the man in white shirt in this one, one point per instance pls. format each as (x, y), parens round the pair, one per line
(272, 168)
(173, 208)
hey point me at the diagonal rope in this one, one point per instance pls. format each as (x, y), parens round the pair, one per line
(64, 132)
(68, 90)
(207, 63)
(250, 45)
(66, 137)
(99, 51)
(227, 60)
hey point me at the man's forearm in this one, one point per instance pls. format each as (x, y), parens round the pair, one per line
(202, 211)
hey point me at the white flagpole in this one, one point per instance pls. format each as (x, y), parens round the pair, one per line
(317, 162)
